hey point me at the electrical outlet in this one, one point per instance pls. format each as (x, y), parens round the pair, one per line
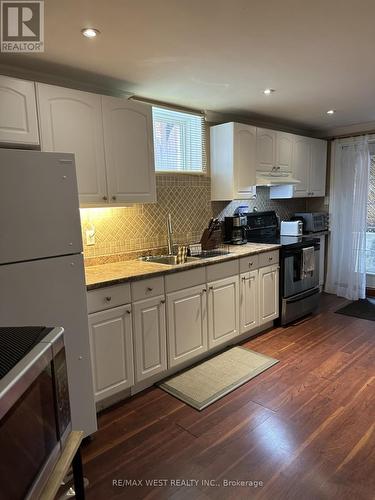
(90, 236)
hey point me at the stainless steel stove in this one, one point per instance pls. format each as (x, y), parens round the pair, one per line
(299, 290)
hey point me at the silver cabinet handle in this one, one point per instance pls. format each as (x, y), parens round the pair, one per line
(128, 311)
(149, 289)
(108, 299)
(251, 263)
(211, 288)
(114, 198)
(270, 258)
(204, 290)
(243, 278)
(162, 301)
(105, 198)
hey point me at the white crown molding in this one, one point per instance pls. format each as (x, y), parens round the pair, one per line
(348, 130)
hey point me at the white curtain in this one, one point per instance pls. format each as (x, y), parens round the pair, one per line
(346, 267)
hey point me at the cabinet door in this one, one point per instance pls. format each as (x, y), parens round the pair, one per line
(187, 324)
(269, 293)
(18, 117)
(244, 161)
(71, 122)
(284, 151)
(301, 165)
(150, 339)
(266, 150)
(249, 301)
(111, 351)
(129, 151)
(318, 167)
(223, 310)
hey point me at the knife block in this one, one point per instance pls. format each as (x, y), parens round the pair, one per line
(211, 238)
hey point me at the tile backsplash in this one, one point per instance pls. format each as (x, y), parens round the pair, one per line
(125, 233)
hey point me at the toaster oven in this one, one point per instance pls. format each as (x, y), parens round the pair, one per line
(313, 222)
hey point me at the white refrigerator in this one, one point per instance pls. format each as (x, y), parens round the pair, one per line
(42, 278)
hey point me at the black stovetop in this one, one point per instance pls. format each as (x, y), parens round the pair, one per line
(16, 342)
(286, 241)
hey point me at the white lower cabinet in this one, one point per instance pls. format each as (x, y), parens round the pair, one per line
(268, 293)
(168, 326)
(150, 338)
(249, 300)
(111, 351)
(187, 324)
(223, 310)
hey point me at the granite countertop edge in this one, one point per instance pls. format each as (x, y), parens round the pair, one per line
(169, 269)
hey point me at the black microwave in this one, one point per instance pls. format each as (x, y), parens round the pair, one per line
(34, 408)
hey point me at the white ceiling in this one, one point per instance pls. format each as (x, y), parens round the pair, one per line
(220, 54)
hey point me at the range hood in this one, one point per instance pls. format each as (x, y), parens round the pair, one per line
(275, 179)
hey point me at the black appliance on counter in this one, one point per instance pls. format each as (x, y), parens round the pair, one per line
(34, 407)
(299, 293)
(235, 230)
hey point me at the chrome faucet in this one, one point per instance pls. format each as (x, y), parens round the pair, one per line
(170, 234)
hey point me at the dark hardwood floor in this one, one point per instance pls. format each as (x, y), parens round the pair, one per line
(305, 428)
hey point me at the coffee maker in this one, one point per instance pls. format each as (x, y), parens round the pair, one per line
(235, 229)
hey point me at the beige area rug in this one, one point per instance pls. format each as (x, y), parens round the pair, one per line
(209, 381)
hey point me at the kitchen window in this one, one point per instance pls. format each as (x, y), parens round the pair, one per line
(179, 141)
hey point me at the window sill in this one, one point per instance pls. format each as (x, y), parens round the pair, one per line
(184, 172)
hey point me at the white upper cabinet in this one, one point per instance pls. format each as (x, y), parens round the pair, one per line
(309, 166)
(266, 150)
(284, 151)
(317, 178)
(233, 161)
(274, 151)
(129, 151)
(18, 116)
(71, 122)
(301, 165)
(111, 139)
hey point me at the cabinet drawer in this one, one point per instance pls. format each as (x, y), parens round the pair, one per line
(249, 263)
(147, 288)
(268, 258)
(185, 279)
(222, 270)
(108, 297)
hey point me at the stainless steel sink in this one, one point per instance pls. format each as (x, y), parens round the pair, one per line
(170, 260)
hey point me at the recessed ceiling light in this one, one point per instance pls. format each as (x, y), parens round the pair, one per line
(331, 112)
(268, 91)
(90, 32)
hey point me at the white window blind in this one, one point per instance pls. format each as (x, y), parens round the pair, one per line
(179, 141)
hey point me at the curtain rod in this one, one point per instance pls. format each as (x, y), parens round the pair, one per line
(168, 105)
(348, 136)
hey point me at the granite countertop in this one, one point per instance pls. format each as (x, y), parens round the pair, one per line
(132, 270)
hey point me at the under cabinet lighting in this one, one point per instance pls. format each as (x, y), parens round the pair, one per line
(331, 112)
(268, 91)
